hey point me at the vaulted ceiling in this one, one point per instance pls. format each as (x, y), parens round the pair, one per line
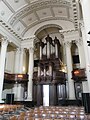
(24, 15)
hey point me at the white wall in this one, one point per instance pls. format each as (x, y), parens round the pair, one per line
(10, 60)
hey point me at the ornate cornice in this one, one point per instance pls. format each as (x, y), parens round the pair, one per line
(67, 31)
(6, 26)
(81, 24)
(28, 42)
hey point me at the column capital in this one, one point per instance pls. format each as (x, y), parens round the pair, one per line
(67, 44)
(81, 24)
(22, 50)
(81, 1)
(17, 50)
(4, 41)
(79, 42)
(31, 50)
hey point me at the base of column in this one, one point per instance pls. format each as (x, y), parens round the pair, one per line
(29, 99)
(19, 99)
(72, 98)
(1, 101)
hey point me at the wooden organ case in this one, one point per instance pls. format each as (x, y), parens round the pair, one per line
(49, 80)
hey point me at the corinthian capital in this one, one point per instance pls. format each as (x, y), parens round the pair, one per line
(17, 51)
(4, 41)
(79, 42)
(68, 44)
(31, 50)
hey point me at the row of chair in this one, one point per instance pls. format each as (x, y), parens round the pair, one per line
(45, 113)
(53, 113)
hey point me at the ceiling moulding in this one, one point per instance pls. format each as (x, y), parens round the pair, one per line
(47, 26)
(10, 29)
(43, 20)
(75, 14)
(67, 31)
(28, 42)
(11, 38)
(36, 6)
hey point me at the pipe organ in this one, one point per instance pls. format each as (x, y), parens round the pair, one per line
(49, 73)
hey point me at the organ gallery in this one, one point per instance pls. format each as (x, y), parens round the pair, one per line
(49, 73)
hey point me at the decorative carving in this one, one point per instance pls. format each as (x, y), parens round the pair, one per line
(18, 50)
(9, 29)
(79, 42)
(4, 41)
(81, 25)
(67, 44)
(31, 50)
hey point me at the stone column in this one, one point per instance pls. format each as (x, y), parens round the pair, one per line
(30, 73)
(4, 45)
(16, 70)
(86, 84)
(20, 88)
(22, 51)
(86, 18)
(69, 71)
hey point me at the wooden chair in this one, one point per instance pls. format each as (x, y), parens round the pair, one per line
(80, 117)
(29, 118)
(13, 118)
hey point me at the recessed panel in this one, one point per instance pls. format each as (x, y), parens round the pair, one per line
(19, 27)
(60, 11)
(5, 12)
(44, 13)
(17, 4)
(29, 19)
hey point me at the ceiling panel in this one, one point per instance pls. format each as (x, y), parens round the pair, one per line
(60, 11)
(17, 4)
(29, 19)
(5, 12)
(19, 27)
(44, 13)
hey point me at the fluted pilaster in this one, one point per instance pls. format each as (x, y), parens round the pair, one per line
(30, 72)
(69, 70)
(4, 45)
